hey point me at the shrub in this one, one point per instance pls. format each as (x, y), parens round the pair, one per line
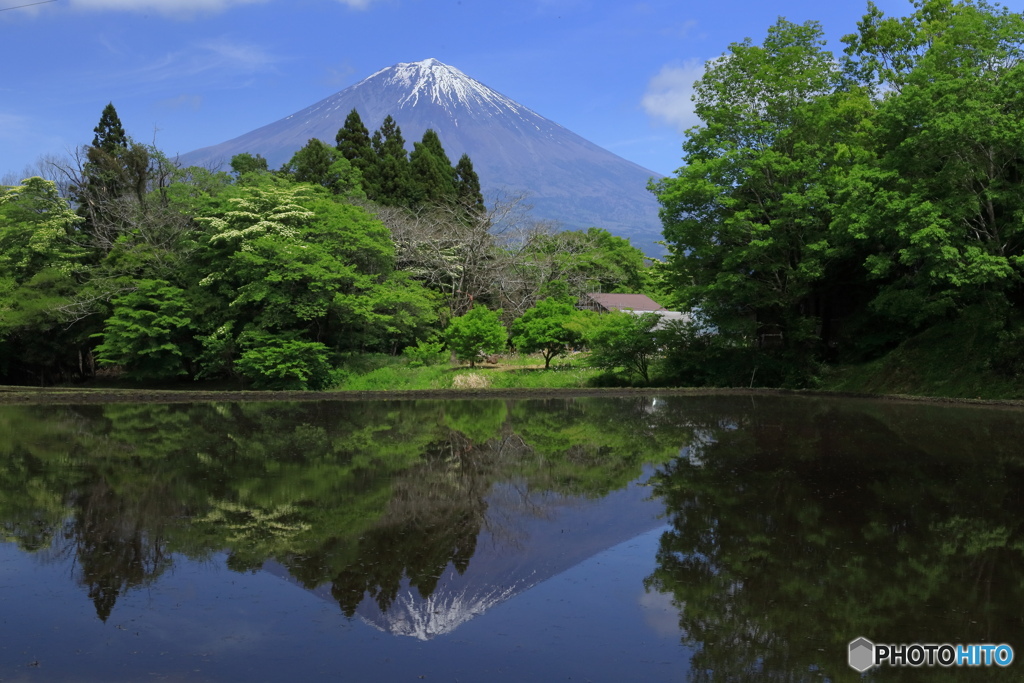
(283, 363)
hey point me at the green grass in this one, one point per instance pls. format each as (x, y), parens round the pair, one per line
(561, 377)
(399, 377)
(950, 359)
(385, 373)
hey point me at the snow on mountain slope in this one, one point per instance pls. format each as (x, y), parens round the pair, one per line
(569, 179)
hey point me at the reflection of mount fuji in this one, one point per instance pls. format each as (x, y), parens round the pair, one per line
(526, 539)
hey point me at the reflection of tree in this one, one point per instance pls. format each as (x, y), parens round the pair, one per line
(803, 525)
(118, 541)
(375, 497)
(432, 520)
(592, 446)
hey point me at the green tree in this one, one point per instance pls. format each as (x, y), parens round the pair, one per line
(290, 262)
(467, 186)
(476, 333)
(38, 230)
(109, 133)
(248, 163)
(391, 178)
(542, 328)
(149, 333)
(320, 164)
(433, 178)
(938, 207)
(283, 361)
(620, 340)
(115, 168)
(353, 141)
(42, 267)
(748, 217)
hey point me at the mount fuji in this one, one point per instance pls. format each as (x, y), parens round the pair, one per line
(567, 179)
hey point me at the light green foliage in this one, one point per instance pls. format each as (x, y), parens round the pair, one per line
(148, 333)
(620, 340)
(748, 217)
(425, 353)
(587, 261)
(41, 267)
(476, 333)
(941, 203)
(542, 328)
(37, 230)
(294, 264)
(283, 362)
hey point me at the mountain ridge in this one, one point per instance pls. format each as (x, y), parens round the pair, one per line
(568, 179)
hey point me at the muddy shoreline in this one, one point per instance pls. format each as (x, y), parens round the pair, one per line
(15, 395)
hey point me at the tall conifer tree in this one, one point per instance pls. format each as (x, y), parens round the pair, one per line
(392, 179)
(115, 167)
(468, 186)
(353, 141)
(433, 177)
(109, 133)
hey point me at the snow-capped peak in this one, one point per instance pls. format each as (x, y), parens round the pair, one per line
(441, 84)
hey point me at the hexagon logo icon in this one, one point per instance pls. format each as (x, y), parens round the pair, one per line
(862, 654)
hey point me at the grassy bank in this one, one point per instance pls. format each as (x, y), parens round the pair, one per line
(952, 360)
(383, 373)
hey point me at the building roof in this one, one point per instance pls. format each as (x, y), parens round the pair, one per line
(620, 302)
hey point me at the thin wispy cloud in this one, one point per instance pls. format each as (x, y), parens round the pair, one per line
(183, 101)
(216, 62)
(170, 8)
(669, 95)
(339, 75)
(186, 8)
(13, 126)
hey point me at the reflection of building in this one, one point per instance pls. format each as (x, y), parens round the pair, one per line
(527, 538)
(636, 304)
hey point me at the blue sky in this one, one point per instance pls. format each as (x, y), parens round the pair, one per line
(190, 73)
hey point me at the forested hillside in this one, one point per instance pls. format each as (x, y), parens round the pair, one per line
(126, 264)
(833, 209)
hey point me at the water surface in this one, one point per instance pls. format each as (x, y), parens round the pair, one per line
(641, 538)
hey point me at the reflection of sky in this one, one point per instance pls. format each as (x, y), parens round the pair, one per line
(527, 537)
(201, 621)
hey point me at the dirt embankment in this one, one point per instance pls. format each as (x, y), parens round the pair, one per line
(13, 395)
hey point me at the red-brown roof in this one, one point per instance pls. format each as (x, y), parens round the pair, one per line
(619, 302)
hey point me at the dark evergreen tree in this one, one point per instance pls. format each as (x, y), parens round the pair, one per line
(320, 164)
(392, 178)
(115, 167)
(312, 163)
(467, 187)
(110, 136)
(433, 178)
(353, 141)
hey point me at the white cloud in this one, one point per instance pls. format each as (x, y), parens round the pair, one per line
(669, 95)
(184, 8)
